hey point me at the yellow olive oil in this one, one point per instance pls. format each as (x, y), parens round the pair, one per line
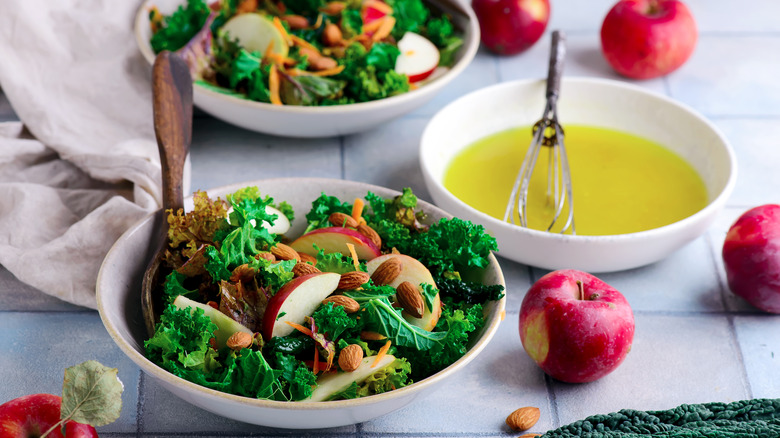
(621, 183)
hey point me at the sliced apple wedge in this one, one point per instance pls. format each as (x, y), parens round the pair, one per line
(296, 300)
(330, 384)
(225, 325)
(418, 58)
(416, 273)
(255, 33)
(335, 239)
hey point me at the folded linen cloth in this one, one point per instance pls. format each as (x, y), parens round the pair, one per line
(82, 166)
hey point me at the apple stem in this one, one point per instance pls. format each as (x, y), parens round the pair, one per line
(652, 7)
(581, 290)
(51, 429)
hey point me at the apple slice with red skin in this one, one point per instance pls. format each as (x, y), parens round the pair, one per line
(575, 327)
(413, 271)
(418, 58)
(32, 415)
(335, 239)
(296, 300)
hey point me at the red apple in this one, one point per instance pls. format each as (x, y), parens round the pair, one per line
(751, 257)
(418, 58)
(335, 239)
(575, 327)
(644, 39)
(296, 300)
(32, 415)
(508, 27)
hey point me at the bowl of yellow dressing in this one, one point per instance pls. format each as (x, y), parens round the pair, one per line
(649, 174)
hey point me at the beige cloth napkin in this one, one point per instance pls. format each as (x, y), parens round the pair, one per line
(86, 167)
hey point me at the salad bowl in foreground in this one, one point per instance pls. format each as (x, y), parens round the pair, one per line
(321, 121)
(119, 304)
(594, 103)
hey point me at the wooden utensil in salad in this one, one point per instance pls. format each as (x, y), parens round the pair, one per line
(172, 101)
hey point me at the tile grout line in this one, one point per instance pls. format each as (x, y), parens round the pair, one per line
(139, 410)
(552, 401)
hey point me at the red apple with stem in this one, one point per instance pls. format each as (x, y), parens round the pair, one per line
(644, 39)
(508, 27)
(33, 415)
(751, 257)
(575, 327)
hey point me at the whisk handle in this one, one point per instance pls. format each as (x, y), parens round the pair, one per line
(555, 69)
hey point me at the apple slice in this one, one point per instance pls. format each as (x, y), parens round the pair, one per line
(281, 224)
(32, 415)
(296, 300)
(255, 33)
(335, 239)
(226, 326)
(416, 273)
(418, 58)
(330, 384)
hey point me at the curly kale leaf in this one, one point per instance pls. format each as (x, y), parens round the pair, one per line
(179, 28)
(454, 290)
(333, 320)
(410, 16)
(298, 379)
(322, 208)
(174, 286)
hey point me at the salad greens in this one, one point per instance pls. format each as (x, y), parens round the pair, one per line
(331, 52)
(221, 254)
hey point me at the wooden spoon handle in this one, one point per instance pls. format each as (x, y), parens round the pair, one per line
(172, 100)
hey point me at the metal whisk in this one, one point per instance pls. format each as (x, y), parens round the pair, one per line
(547, 132)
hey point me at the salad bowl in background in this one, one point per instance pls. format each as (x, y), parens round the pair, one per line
(312, 121)
(119, 304)
(592, 102)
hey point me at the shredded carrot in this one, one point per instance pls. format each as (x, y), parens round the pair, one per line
(300, 328)
(317, 23)
(322, 366)
(285, 36)
(273, 85)
(381, 353)
(372, 26)
(354, 256)
(384, 30)
(275, 58)
(357, 209)
(328, 72)
(379, 6)
(316, 365)
(303, 43)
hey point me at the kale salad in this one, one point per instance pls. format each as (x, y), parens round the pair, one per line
(367, 300)
(308, 52)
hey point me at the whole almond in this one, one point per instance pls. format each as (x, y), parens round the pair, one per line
(370, 233)
(266, 256)
(387, 271)
(410, 299)
(349, 304)
(302, 268)
(239, 340)
(307, 258)
(353, 280)
(284, 252)
(331, 35)
(333, 8)
(529, 435)
(342, 220)
(322, 63)
(350, 357)
(295, 21)
(523, 418)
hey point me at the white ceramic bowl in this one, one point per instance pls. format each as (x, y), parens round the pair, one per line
(119, 299)
(300, 121)
(593, 102)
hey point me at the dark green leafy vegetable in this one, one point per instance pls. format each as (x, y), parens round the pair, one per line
(178, 28)
(468, 292)
(744, 419)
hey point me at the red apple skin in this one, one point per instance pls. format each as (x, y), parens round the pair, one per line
(644, 39)
(508, 27)
(751, 257)
(32, 415)
(575, 340)
(275, 303)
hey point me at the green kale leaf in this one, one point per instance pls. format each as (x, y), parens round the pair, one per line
(179, 28)
(322, 208)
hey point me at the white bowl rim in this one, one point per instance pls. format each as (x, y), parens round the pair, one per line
(469, 51)
(489, 329)
(713, 204)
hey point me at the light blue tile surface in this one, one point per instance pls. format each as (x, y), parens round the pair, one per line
(759, 339)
